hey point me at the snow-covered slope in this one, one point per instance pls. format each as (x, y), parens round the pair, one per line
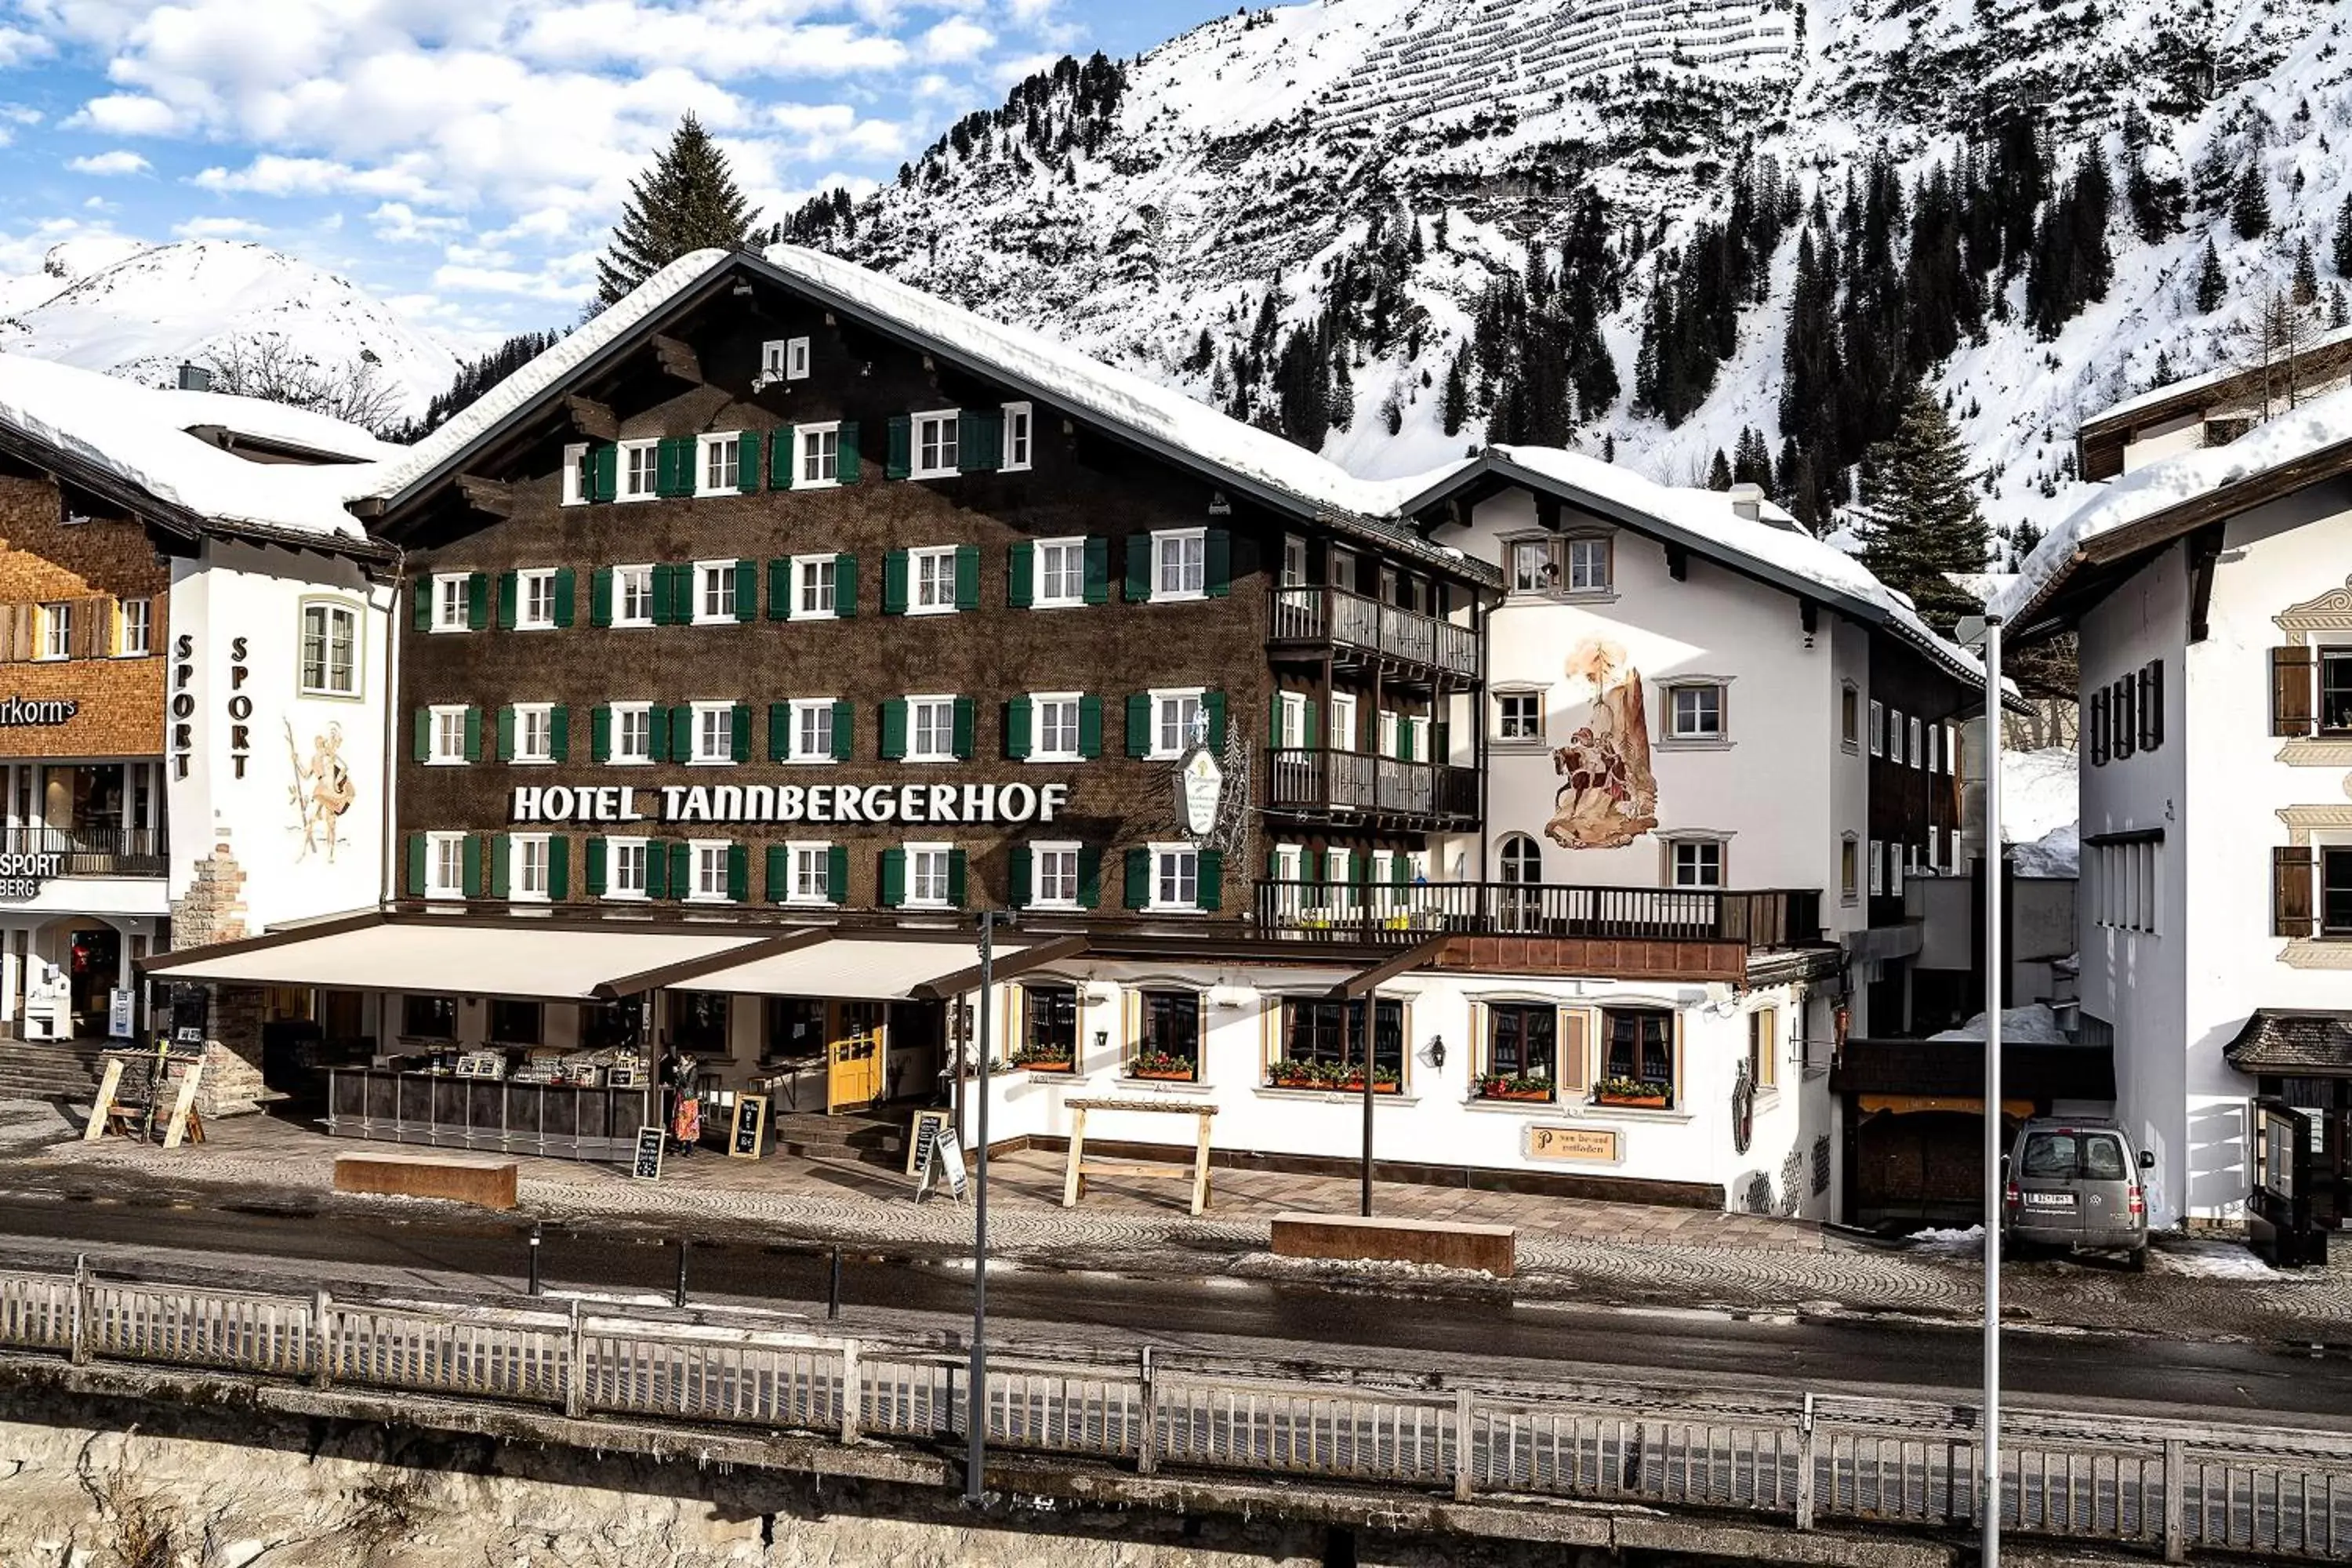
(1254, 155)
(138, 311)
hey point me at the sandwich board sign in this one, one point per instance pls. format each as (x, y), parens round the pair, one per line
(942, 1164)
(648, 1167)
(927, 1128)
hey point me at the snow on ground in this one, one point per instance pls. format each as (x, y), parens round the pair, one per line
(2041, 802)
(2210, 1259)
(1956, 1243)
(2033, 1025)
(2056, 854)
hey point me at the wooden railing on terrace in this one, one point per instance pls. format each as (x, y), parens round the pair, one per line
(1412, 912)
(1351, 624)
(1322, 782)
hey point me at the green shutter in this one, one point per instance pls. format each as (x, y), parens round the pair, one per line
(681, 732)
(845, 587)
(416, 865)
(565, 593)
(845, 724)
(955, 878)
(604, 473)
(1138, 724)
(779, 884)
(1016, 729)
(1020, 575)
(848, 468)
(1139, 568)
(739, 872)
(1017, 875)
(747, 590)
(1090, 877)
(469, 867)
(1217, 563)
(664, 588)
(967, 560)
(502, 853)
(738, 732)
(657, 732)
(507, 596)
(1098, 571)
(594, 869)
(747, 462)
(423, 737)
(1214, 703)
(1212, 878)
(1138, 878)
(657, 865)
(901, 461)
(473, 734)
(780, 471)
(894, 731)
(837, 873)
(506, 735)
(600, 597)
(681, 869)
(780, 590)
(673, 473)
(963, 729)
(1090, 727)
(558, 867)
(600, 734)
(894, 878)
(420, 598)
(980, 441)
(1309, 735)
(893, 583)
(559, 733)
(477, 601)
(780, 731)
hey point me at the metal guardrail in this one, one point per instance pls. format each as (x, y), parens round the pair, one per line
(93, 851)
(1796, 1459)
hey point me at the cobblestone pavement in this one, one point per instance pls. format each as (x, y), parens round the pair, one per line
(1591, 1252)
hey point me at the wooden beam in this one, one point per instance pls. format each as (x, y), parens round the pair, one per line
(1808, 615)
(1678, 562)
(1006, 968)
(2204, 551)
(593, 420)
(677, 359)
(1365, 981)
(494, 497)
(677, 973)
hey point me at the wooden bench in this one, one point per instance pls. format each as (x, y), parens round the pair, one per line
(461, 1178)
(1491, 1248)
(1073, 1180)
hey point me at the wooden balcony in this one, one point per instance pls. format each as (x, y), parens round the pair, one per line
(1320, 782)
(1362, 633)
(1417, 911)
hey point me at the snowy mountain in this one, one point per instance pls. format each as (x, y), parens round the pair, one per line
(139, 311)
(1601, 211)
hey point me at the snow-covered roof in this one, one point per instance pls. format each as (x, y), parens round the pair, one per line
(141, 437)
(2146, 493)
(2156, 396)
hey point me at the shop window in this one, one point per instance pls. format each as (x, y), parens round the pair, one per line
(1049, 1029)
(1522, 1051)
(1168, 1039)
(428, 1017)
(514, 1022)
(1323, 1043)
(792, 1029)
(612, 1025)
(1637, 1055)
(698, 1022)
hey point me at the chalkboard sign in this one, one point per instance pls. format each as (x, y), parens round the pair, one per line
(942, 1161)
(650, 1142)
(622, 1077)
(929, 1125)
(751, 1120)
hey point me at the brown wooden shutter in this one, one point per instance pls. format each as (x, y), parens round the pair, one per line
(21, 634)
(1575, 1048)
(2291, 891)
(2290, 691)
(2099, 728)
(8, 614)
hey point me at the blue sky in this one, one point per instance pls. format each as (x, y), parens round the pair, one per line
(465, 158)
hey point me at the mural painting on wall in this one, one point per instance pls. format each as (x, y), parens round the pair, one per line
(322, 790)
(1609, 796)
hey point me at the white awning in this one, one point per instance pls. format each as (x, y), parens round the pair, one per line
(556, 963)
(864, 969)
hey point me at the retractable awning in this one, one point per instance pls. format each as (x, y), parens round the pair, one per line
(869, 968)
(550, 963)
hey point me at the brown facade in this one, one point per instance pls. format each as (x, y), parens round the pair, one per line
(86, 571)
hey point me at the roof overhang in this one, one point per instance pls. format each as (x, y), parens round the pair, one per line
(2294, 1042)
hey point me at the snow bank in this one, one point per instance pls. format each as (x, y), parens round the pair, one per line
(2033, 1025)
(2040, 800)
(2057, 853)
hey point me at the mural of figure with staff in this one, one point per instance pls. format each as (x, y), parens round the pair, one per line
(322, 790)
(1608, 796)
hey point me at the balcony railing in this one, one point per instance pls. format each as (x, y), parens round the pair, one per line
(84, 852)
(1350, 624)
(1320, 782)
(1413, 912)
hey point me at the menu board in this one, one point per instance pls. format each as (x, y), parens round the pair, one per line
(750, 1121)
(648, 1163)
(929, 1125)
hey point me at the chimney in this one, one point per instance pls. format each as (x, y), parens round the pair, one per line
(1747, 501)
(196, 378)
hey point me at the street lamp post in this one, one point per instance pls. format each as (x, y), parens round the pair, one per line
(1985, 631)
(976, 1389)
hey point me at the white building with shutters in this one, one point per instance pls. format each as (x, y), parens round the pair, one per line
(2211, 593)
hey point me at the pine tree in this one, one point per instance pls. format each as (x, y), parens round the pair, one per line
(2250, 204)
(1457, 406)
(2344, 238)
(2307, 273)
(2339, 314)
(1920, 512)
(686, 202)
(2211, 287)
(1718, 473)
(1609, 448)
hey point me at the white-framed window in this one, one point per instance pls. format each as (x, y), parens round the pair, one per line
(527, 862)
(1695, 712)
(1292, 706)
(1018, 425)
(1877, 871)
(1588, 565)
(1951, 748)
(445, 730)
(1850, 717)
(1894, 854)
(1518, 716)
(640, 470)
(707, 865)
(1342, 736)
(719, 463)
(535, 600)
(1175, 714)
(330, 645)
(714, 592)
(1179, 563)
(626, 860)
(930, 729)
(1386, 744)
(935, 439)
(579, 478)
(449, 602)
(135, 636)
(813, 580)
(633, 733)
(1061, 576)
(1175, 877)
(633, 595)
(1383, 885)
(1694, 862)
(796, 359)
(534, 732)
(445, 865)
(1294, 561)
(714, 732)
(1849, 868)
(1895, 736)
(931, 581)
(1532, 571)
(1877, 729)
(809, 866)
(1053, 726)
(811, 729)
(1917, 760)
(1416, 738)
(1053, 876)
(927, 875)
(1339, 876)
(819, 461)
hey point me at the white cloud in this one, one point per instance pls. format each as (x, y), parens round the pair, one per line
(1006, 73)
(121, 160)
(217, 229)
(20, 114)
(957, 40)
(397, 223)
(272, 174)
(19, 47)
(127, 115)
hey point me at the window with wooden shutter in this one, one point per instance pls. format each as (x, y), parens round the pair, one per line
(415, 865)
(1098, 571)
(477, 601)
(1139, 568)
(1575, 1048)
(558, 869)
(1139, 879)
(2125, 708)
(2293, 908)
(507, 596)
(1217, 552)
(594, 868)
(844, 724)
(780, 589)
(1020, 574)
(964, 714)
(2290, 705)
(894, 878)
(2151, 705)
(848, 471)
(901, 459)
(894, 731)
(747, 462)
(844, 587)
(2098, 728)
(967, 577)
(1138, 724)
(1016, 729)
(893, 583)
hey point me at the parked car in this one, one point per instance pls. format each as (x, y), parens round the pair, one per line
(2075, 1184)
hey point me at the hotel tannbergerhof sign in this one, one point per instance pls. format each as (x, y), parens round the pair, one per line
(945, 805)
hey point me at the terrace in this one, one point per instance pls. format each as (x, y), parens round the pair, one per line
(1418, 911)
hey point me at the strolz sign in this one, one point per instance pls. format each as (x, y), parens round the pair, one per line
(949, 805)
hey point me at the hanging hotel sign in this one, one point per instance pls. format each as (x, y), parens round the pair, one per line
(948, 805)
(1199, 783)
